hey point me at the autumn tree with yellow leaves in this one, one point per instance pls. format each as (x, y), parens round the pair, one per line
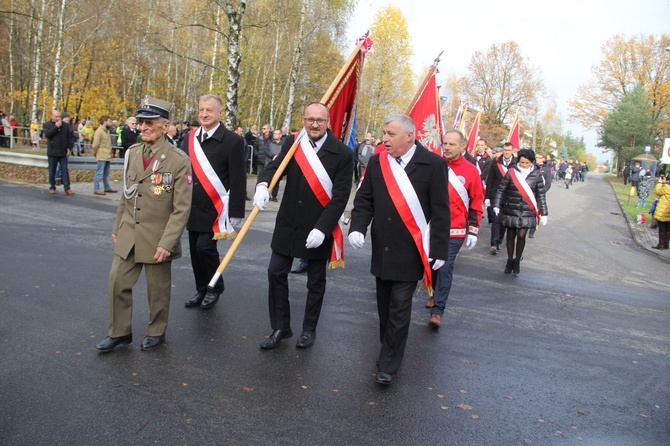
(627, 63)
(387, 84)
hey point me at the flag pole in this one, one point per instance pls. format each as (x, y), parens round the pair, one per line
(280, 170)
(419, 92)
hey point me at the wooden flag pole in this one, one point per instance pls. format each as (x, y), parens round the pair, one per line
(278, 173)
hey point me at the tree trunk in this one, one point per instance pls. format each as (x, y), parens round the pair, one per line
(37, 72)
(216, 49)
(234, 58)
(295, 67)
(58, 82)
(273, 82)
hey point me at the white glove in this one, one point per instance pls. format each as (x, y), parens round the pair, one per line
(236, 222)
(543, 220)
(496, 211)
(356, 240)
(261, 197)
(487, 202)
(314, 239)
(437, 264)
(471, 241)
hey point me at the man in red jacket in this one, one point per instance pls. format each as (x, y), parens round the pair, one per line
(466, 197)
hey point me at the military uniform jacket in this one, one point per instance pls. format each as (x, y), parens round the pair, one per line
(394, 253)
(148, 219)
(225, 152)
(300, 210)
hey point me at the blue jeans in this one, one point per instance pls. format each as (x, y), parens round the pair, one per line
(61, 162)
(102, 170)
(443, 277)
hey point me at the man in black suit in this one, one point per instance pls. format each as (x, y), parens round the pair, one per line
(389, 197)
(495, 177)
(306, 219)
(219, 182)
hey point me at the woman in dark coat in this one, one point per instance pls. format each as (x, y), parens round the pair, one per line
(521, 206)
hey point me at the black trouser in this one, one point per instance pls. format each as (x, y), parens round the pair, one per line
(497, 231)
(204, 260)
(394, 306)
(280, 308)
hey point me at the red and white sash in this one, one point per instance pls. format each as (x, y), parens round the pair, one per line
(407, 204)
(502, 168)
(213, 187)
(459, 195)
(322, 186)
(525, 191)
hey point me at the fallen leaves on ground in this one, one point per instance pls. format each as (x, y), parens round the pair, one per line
(464, 406)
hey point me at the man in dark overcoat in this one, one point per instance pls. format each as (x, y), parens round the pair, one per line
(304, 225)
(219, 180)
(397, 262)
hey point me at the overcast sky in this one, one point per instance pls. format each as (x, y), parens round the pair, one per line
(562, 38)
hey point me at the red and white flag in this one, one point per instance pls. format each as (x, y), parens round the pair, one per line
(514, 132)
(474, 134)
(426, 112)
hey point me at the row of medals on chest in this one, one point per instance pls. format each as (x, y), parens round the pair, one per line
(161, 182)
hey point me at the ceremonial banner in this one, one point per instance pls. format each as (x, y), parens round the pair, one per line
(459, 116)
(474, 134)
(426, 112)
(665, 156)
(514, 133)
(461, 125)
(341, 96)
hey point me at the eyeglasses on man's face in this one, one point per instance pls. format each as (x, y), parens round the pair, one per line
(319, 121)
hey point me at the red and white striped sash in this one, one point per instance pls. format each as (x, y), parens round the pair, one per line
(322, 187)
(213, 187)
(459, 196)
(407, 204)
(502, 168)
(525, 191)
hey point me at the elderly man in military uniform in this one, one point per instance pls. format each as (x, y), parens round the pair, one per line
(151, 217)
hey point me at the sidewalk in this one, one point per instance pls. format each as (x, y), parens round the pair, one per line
(643, 235)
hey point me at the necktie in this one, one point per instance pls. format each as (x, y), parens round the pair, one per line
(313, 144)
(203, 137)
(399, 160)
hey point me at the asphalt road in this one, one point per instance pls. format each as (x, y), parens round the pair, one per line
(575, 350)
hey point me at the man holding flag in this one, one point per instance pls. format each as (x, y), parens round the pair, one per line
(404, 195)
(466, 199)
(318, 184)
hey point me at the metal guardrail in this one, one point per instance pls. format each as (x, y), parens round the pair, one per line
(74, 162)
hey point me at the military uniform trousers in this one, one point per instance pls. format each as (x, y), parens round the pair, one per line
(122, 277)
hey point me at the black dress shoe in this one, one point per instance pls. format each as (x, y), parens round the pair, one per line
(209, 301)
(195, 301)
(301, 268)
(108, 344)
(151, 342)
(384, 378)
(276, 337)
(306, 339)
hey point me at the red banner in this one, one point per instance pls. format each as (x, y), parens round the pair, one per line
(474, 134)
(427, 115)
(514, 133)
(341, 96)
